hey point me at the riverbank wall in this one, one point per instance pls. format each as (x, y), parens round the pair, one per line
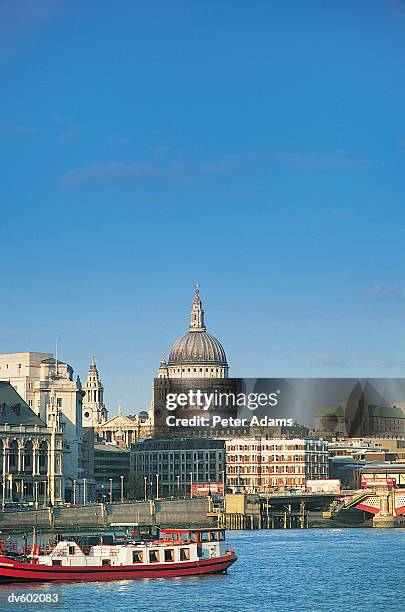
(166, 513)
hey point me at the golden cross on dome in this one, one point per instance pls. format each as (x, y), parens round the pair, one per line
(197, 288)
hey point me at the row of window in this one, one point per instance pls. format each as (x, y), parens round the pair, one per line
(263, 447)
(196, 369)
(182, 455)
(267, 482)
(275, 469)
(268, 459)
(154, 556)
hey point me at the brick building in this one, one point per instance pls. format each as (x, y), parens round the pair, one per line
(262, 464)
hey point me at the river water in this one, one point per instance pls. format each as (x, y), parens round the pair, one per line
(281, 570)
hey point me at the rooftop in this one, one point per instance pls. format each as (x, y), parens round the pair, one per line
(110, 448)
(16, 411)
(154, 444)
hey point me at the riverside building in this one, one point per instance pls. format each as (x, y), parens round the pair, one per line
(48, 387)
(30, 453)
(111, 472)
(169, 467)
(261, 464)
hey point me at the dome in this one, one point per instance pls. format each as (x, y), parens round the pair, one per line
(197, 347)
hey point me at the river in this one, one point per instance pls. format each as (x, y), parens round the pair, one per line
(281, 570)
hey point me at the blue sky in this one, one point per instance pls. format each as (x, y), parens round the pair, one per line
(257, 147)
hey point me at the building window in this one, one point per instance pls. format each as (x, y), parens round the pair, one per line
(59, 402)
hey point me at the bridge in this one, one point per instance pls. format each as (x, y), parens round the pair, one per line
(385, 507)
(381, 507)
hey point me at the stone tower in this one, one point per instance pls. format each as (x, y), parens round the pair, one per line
(94, 410)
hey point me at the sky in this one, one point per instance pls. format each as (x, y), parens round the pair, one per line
(256, 147)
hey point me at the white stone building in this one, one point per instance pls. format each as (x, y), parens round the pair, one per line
(123, 430)
(197, 354)
(94, 410)
(48, 387)
(196, 359)
(30, 453)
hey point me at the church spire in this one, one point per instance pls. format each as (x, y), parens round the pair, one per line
(94, 410)
(197, 313)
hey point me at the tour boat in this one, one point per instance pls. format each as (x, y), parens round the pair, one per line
(178, 552)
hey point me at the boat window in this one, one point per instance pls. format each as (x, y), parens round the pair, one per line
(71, 550)
(184, 554)
(137, 556)
(56, 561)
(106, 562)
(169, 554)
(153, 556)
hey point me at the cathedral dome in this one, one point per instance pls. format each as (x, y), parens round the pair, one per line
(197, 347)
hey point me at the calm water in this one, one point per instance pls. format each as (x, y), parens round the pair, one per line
(299, 570)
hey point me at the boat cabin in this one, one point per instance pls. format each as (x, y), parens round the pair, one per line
(210, 542)
(174, 546)
(214, 534)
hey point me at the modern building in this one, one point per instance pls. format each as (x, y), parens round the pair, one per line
(347, 457)
(30, 453)
(169, 467)
(111, 472)
(47, 386)
(384, 471)
(359, 449)
(261, 464)
(94, 410)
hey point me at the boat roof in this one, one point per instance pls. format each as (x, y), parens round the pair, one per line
(193, 530)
